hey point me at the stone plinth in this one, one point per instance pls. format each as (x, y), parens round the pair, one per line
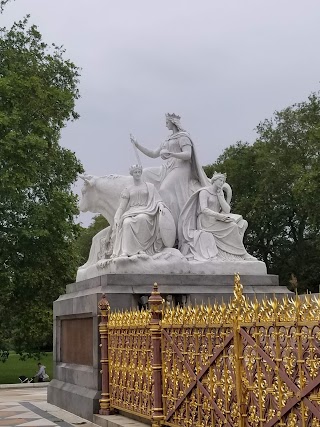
(77, 381)
(125, 290)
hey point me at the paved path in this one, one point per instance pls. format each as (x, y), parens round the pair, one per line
(27, 407)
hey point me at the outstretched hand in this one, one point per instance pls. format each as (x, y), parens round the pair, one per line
(133, 140)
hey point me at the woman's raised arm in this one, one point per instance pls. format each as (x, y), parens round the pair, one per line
(150, 153)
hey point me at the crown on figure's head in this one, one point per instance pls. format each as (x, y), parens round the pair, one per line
(217, 175)
(172, 116)
(134, 168)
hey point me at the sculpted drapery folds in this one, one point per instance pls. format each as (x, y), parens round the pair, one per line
(167, 217)
(207, 229)
(137, 225)
(181, 173)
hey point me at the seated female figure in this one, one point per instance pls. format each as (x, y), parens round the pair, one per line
(136, 221)
(207, 228)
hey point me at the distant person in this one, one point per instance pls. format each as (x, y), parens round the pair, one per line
(41, 374)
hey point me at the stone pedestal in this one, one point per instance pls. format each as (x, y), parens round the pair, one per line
(77, 381)
(76, 357)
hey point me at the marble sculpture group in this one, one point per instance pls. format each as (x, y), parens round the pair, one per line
(160, 214)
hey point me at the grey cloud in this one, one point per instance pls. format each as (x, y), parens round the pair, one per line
(223, 66)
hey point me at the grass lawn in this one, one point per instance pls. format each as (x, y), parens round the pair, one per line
(11, 370)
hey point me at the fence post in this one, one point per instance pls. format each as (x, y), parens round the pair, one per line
(104, 307)
(155, 306)
(237, 302)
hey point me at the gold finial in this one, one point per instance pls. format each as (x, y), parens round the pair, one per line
(155, 300)
(155, 288)
(103, 304)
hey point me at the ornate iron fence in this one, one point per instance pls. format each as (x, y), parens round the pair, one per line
(243, 363)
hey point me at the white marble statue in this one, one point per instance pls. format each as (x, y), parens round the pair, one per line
(160, 207)
(100, 194)
(181, 173)
(139, 219)
(176, 179)
(207, 229)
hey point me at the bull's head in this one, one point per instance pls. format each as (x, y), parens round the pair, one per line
(87, 201)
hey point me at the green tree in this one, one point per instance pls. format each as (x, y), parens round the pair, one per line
(85, 238)
(38, 89)
(276, 182)
(2, 4)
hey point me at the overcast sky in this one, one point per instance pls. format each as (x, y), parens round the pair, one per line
(222, 65)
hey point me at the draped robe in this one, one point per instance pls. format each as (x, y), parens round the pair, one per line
(139, 227)
(201, 235)
(177, 179)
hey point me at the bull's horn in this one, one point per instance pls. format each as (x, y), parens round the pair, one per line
(86, 178)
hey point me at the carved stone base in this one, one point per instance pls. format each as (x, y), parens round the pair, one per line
(172, 262)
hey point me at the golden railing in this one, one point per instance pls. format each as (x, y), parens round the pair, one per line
(244, 363)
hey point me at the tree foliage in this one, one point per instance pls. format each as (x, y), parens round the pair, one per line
(276, 183)
(38, 89)
(2, 5)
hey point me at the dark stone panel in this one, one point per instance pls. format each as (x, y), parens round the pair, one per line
(77, 341)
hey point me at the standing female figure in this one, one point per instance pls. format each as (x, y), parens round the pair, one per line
(181, 174)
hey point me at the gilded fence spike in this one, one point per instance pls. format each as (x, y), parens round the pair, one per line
(238, 290)
(297, 305)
